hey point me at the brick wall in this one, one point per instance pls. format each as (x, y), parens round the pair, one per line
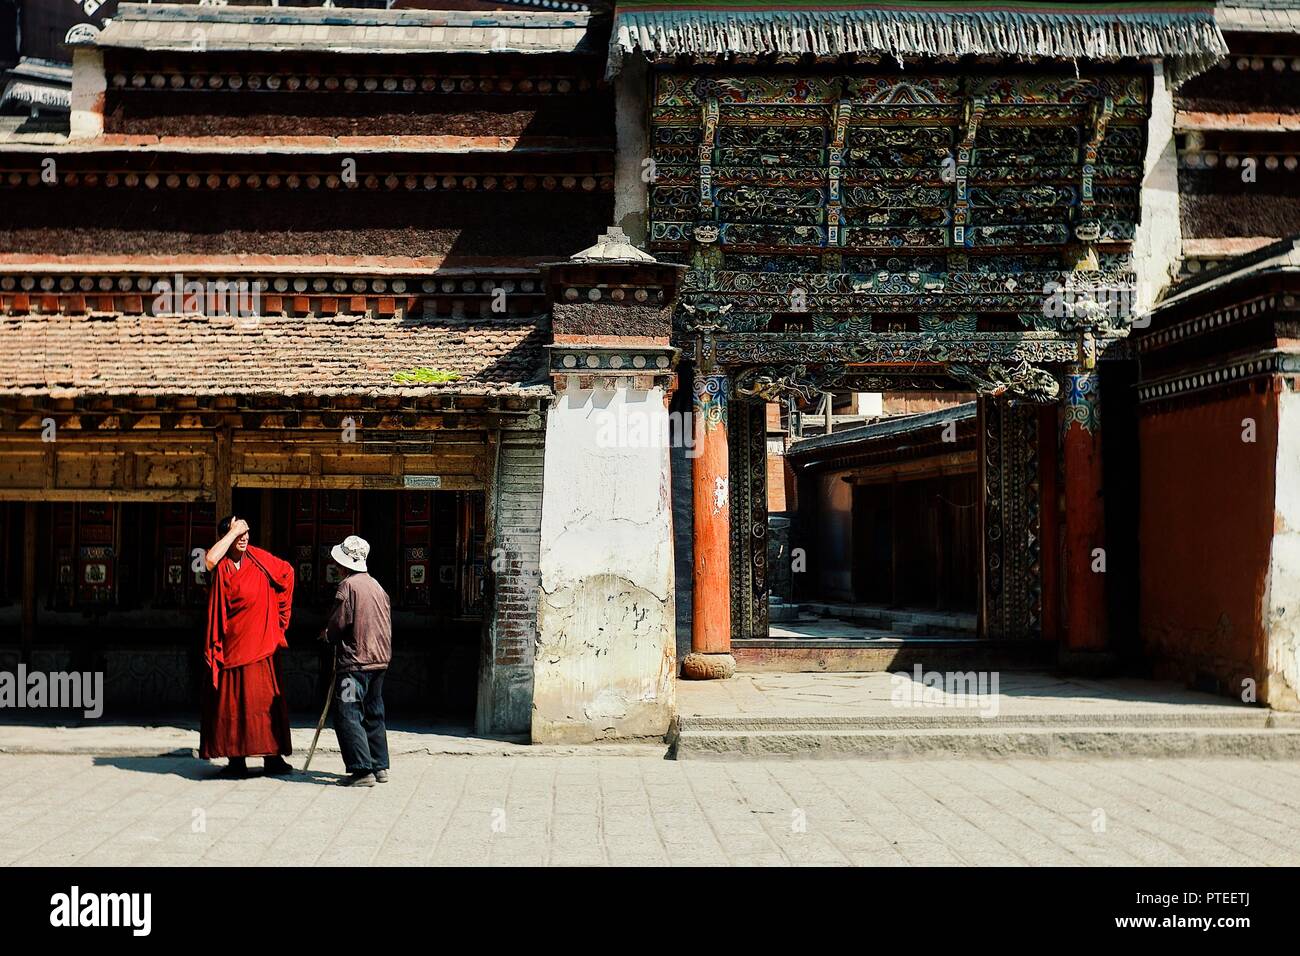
(506, 677)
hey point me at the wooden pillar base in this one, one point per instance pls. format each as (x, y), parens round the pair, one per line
(708, 667)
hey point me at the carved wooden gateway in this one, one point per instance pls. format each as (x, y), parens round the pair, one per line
(952, 226)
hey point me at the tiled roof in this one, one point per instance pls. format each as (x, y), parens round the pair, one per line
(1281, 256)
(1224, 247)
(1259, 16)
(256, 265)
(1255, 122)
(70, 356)
(1186, 36)
(886, 428)
(169, 26)
(16, 140)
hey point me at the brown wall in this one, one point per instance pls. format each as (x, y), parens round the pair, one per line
(915, 403)
(910, 542)
(1205, 532)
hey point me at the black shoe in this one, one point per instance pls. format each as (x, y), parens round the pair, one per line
(236, 769)
(361, 778)
(381, 776)
(276, 767)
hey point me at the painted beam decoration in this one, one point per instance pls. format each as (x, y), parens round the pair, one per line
(848, 204)
(903, 195)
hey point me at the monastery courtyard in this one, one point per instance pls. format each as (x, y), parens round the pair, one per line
(639, 809)
(769, 769)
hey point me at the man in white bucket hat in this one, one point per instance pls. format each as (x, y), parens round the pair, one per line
(361, 630)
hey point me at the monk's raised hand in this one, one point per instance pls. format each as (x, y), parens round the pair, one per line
(239, 527)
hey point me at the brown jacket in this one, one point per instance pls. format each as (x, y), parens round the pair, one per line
(361, 625)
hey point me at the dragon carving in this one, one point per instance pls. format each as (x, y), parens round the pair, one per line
(1022, 381)
(772, 383)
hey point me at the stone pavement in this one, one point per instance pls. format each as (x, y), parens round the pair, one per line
(639, 810)
(179, 736)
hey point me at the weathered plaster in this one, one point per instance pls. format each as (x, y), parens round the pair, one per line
(605, 657)
(1282, 606)
(1158, 242)
(88, 87)
(631, 124)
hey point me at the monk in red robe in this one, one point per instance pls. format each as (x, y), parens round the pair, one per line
(244, 714)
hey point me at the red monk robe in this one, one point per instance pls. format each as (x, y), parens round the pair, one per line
(244, 714)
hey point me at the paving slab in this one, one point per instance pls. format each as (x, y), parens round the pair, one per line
(602, 810)
(179, 736)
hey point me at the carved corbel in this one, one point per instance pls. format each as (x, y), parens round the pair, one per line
(704, 330)
(1022, 382)
(772, 383)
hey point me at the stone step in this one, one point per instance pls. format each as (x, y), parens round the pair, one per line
(1226, 718)
(780, 612)
(902, 621)
(990, 741)
(782, 654)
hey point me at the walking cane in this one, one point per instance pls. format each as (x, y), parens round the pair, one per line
(329, 696)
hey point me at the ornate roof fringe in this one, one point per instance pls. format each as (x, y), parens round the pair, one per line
(1188, 39)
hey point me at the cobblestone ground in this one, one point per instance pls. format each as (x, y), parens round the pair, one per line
(645, 811)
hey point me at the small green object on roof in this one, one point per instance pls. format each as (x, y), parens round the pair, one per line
(425, 376)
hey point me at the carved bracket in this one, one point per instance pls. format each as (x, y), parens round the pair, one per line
(771, 383)
(1021, 381)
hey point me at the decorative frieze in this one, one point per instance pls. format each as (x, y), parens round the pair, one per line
(339, 81)
(612, 360)
(1221, 376)
(199, 176)
(915, 349)
(252, 294)
(1212, 321)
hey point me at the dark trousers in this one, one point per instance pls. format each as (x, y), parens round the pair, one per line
(359, 720)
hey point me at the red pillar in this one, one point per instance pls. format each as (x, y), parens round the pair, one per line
(710, 656)
(1084, 592)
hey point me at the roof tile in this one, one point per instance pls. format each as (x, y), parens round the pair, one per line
(196, 355)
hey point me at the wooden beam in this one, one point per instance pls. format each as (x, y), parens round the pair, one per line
(222, 492)
(29, 580)
(265, 536)
(487, 653)
(450, 482)
(893, 543)
(956, 463)
(102, 494)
